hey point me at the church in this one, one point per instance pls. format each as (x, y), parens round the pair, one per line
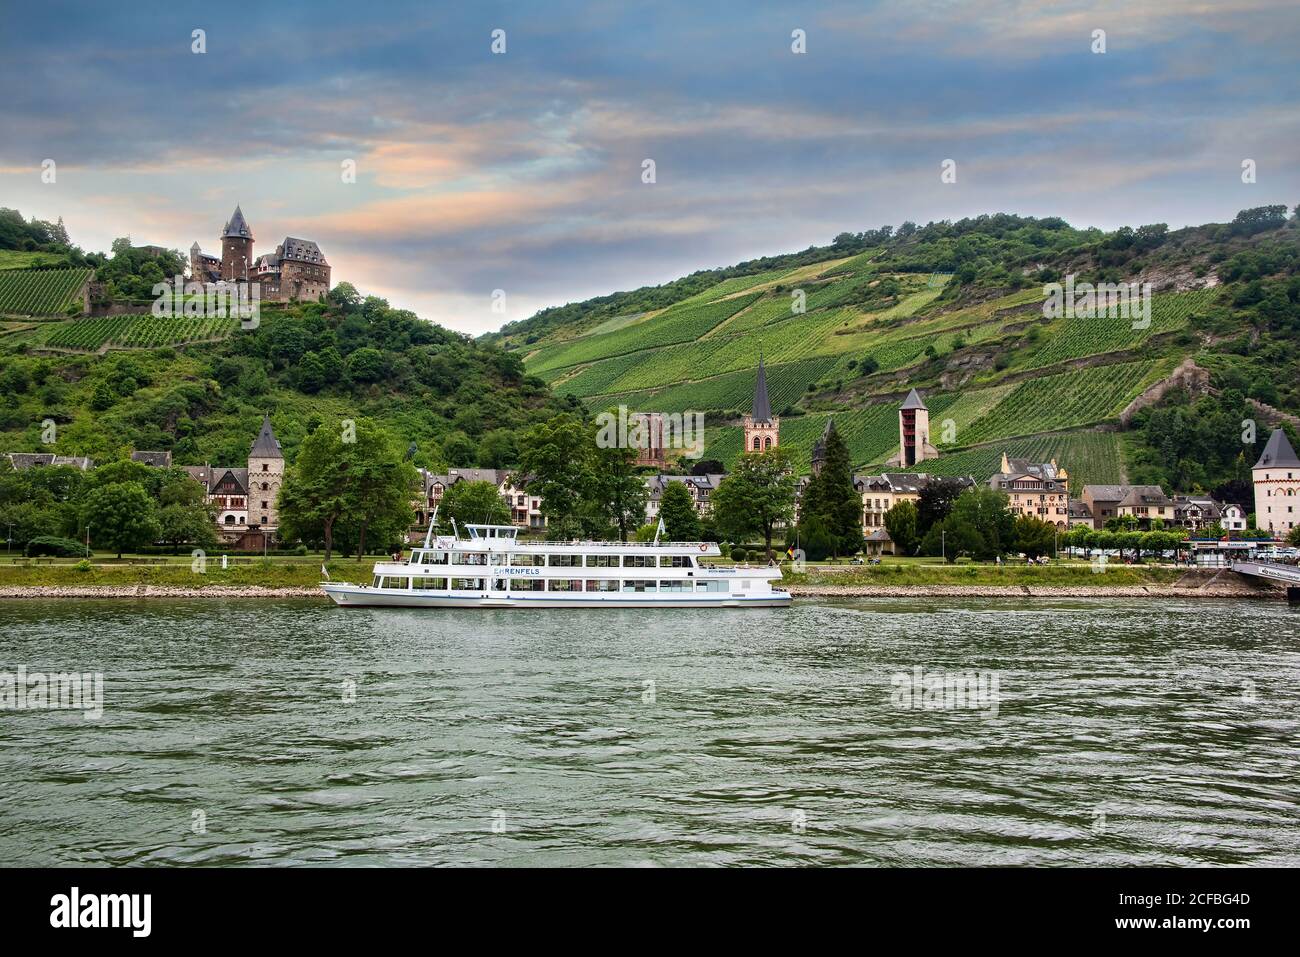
(296, 270)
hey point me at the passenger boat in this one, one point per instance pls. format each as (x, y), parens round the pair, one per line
(493, 569)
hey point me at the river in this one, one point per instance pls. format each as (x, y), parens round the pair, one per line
(241, 732)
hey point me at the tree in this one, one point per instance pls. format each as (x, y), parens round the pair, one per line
(901, 522)
(985, 510)
(613, 488)
(1033, 536)
(365, 482)
(121, 516)
(1293, 537)
(757, 496)
(681, 523)
(186, 524)
(831, 497)
(476, 502)
(935, 502)
(953, 537)
(554, 458)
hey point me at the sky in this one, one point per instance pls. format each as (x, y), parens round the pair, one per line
(524, 171)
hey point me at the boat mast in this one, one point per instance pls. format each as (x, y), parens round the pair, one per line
(429, 534)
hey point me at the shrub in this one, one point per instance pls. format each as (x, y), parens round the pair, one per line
(739, 554)
(82, 566)
(53, 545)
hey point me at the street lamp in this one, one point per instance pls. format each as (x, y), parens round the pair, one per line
(87, 540)
(9, 547)
(943, 544)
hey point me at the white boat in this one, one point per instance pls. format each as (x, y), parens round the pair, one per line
(493, 569)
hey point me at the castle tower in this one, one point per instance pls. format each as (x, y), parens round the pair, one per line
(1276, 477)
(236, 248)
(914, 432)
(196, 263)
(265, 476)
(762, 429)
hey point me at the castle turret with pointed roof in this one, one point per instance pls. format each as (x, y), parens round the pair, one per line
(762, 428)
(236, 247)
(1276, 477)
(265, 476)
(913, 433)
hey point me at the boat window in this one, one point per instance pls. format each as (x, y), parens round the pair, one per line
(565, 584)
(675, 584)
(525, 560)
(639, 561)
(392, 581)
(378, 579)
(602, 584)
(637, 584)
(469, 558)
(433, 558)
(439, 584)
(467, 584)
(498, 558)
(566, 561)
(527, 584)
(678, 561)
(500, 584)
(602, 561)
(711, 586)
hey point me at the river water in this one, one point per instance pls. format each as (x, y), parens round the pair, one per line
(291, 732)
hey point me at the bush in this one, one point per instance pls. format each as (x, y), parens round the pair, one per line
(53, 545)
(739, 554)
(82, 566)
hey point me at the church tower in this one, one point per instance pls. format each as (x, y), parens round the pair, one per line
(236, 248)
(762, 428)
(265, 476)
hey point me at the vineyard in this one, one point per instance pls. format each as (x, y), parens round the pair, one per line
(1090, 458)
(40, 292)
(130, 332)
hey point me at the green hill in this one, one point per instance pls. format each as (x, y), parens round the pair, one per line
(955, 310)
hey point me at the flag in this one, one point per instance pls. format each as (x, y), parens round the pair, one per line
(325, 571)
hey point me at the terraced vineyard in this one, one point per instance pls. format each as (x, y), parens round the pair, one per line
(40, 292)
(130, 332)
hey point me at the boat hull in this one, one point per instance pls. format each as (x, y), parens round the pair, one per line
(365, 596)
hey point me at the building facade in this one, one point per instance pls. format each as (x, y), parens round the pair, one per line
(245, 499)
(1040, 489)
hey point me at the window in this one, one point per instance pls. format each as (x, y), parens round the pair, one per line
(711, 586)
(264, 505)
(527, 561)
(265, 468)
(433, 558)
(566, 561)
(636, 584)
(565, 584)
(469, 558)
(639, 561)
(527, 584)
(602, 561)
(467, 584)
(677, 584)
(678, 561)
(500, 584)
(391, 581)
(425, 583)
(602, 584)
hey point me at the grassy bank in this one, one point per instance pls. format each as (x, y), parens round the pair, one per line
(1080, 574)
(273, 574)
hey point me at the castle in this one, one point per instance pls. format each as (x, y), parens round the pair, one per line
(296, 270)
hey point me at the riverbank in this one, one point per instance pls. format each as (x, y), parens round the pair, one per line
(886, 581)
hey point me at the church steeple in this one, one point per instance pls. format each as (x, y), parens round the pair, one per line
(762, 428)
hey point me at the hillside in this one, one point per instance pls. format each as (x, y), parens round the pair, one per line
(955, 310)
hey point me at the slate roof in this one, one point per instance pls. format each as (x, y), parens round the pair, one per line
(1278, 453)
(159, 460)
(1145, 495)
(27, 460)
(762, 408)
(913, 401)
(1105, 493)
(266, 445)
(300, 250)
(237, 226)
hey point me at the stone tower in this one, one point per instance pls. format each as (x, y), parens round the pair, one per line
(196, 263)
(819, 447)
(1276, 477)
(265, 476)
(236, 248)
(762, 428)
(913, 433)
